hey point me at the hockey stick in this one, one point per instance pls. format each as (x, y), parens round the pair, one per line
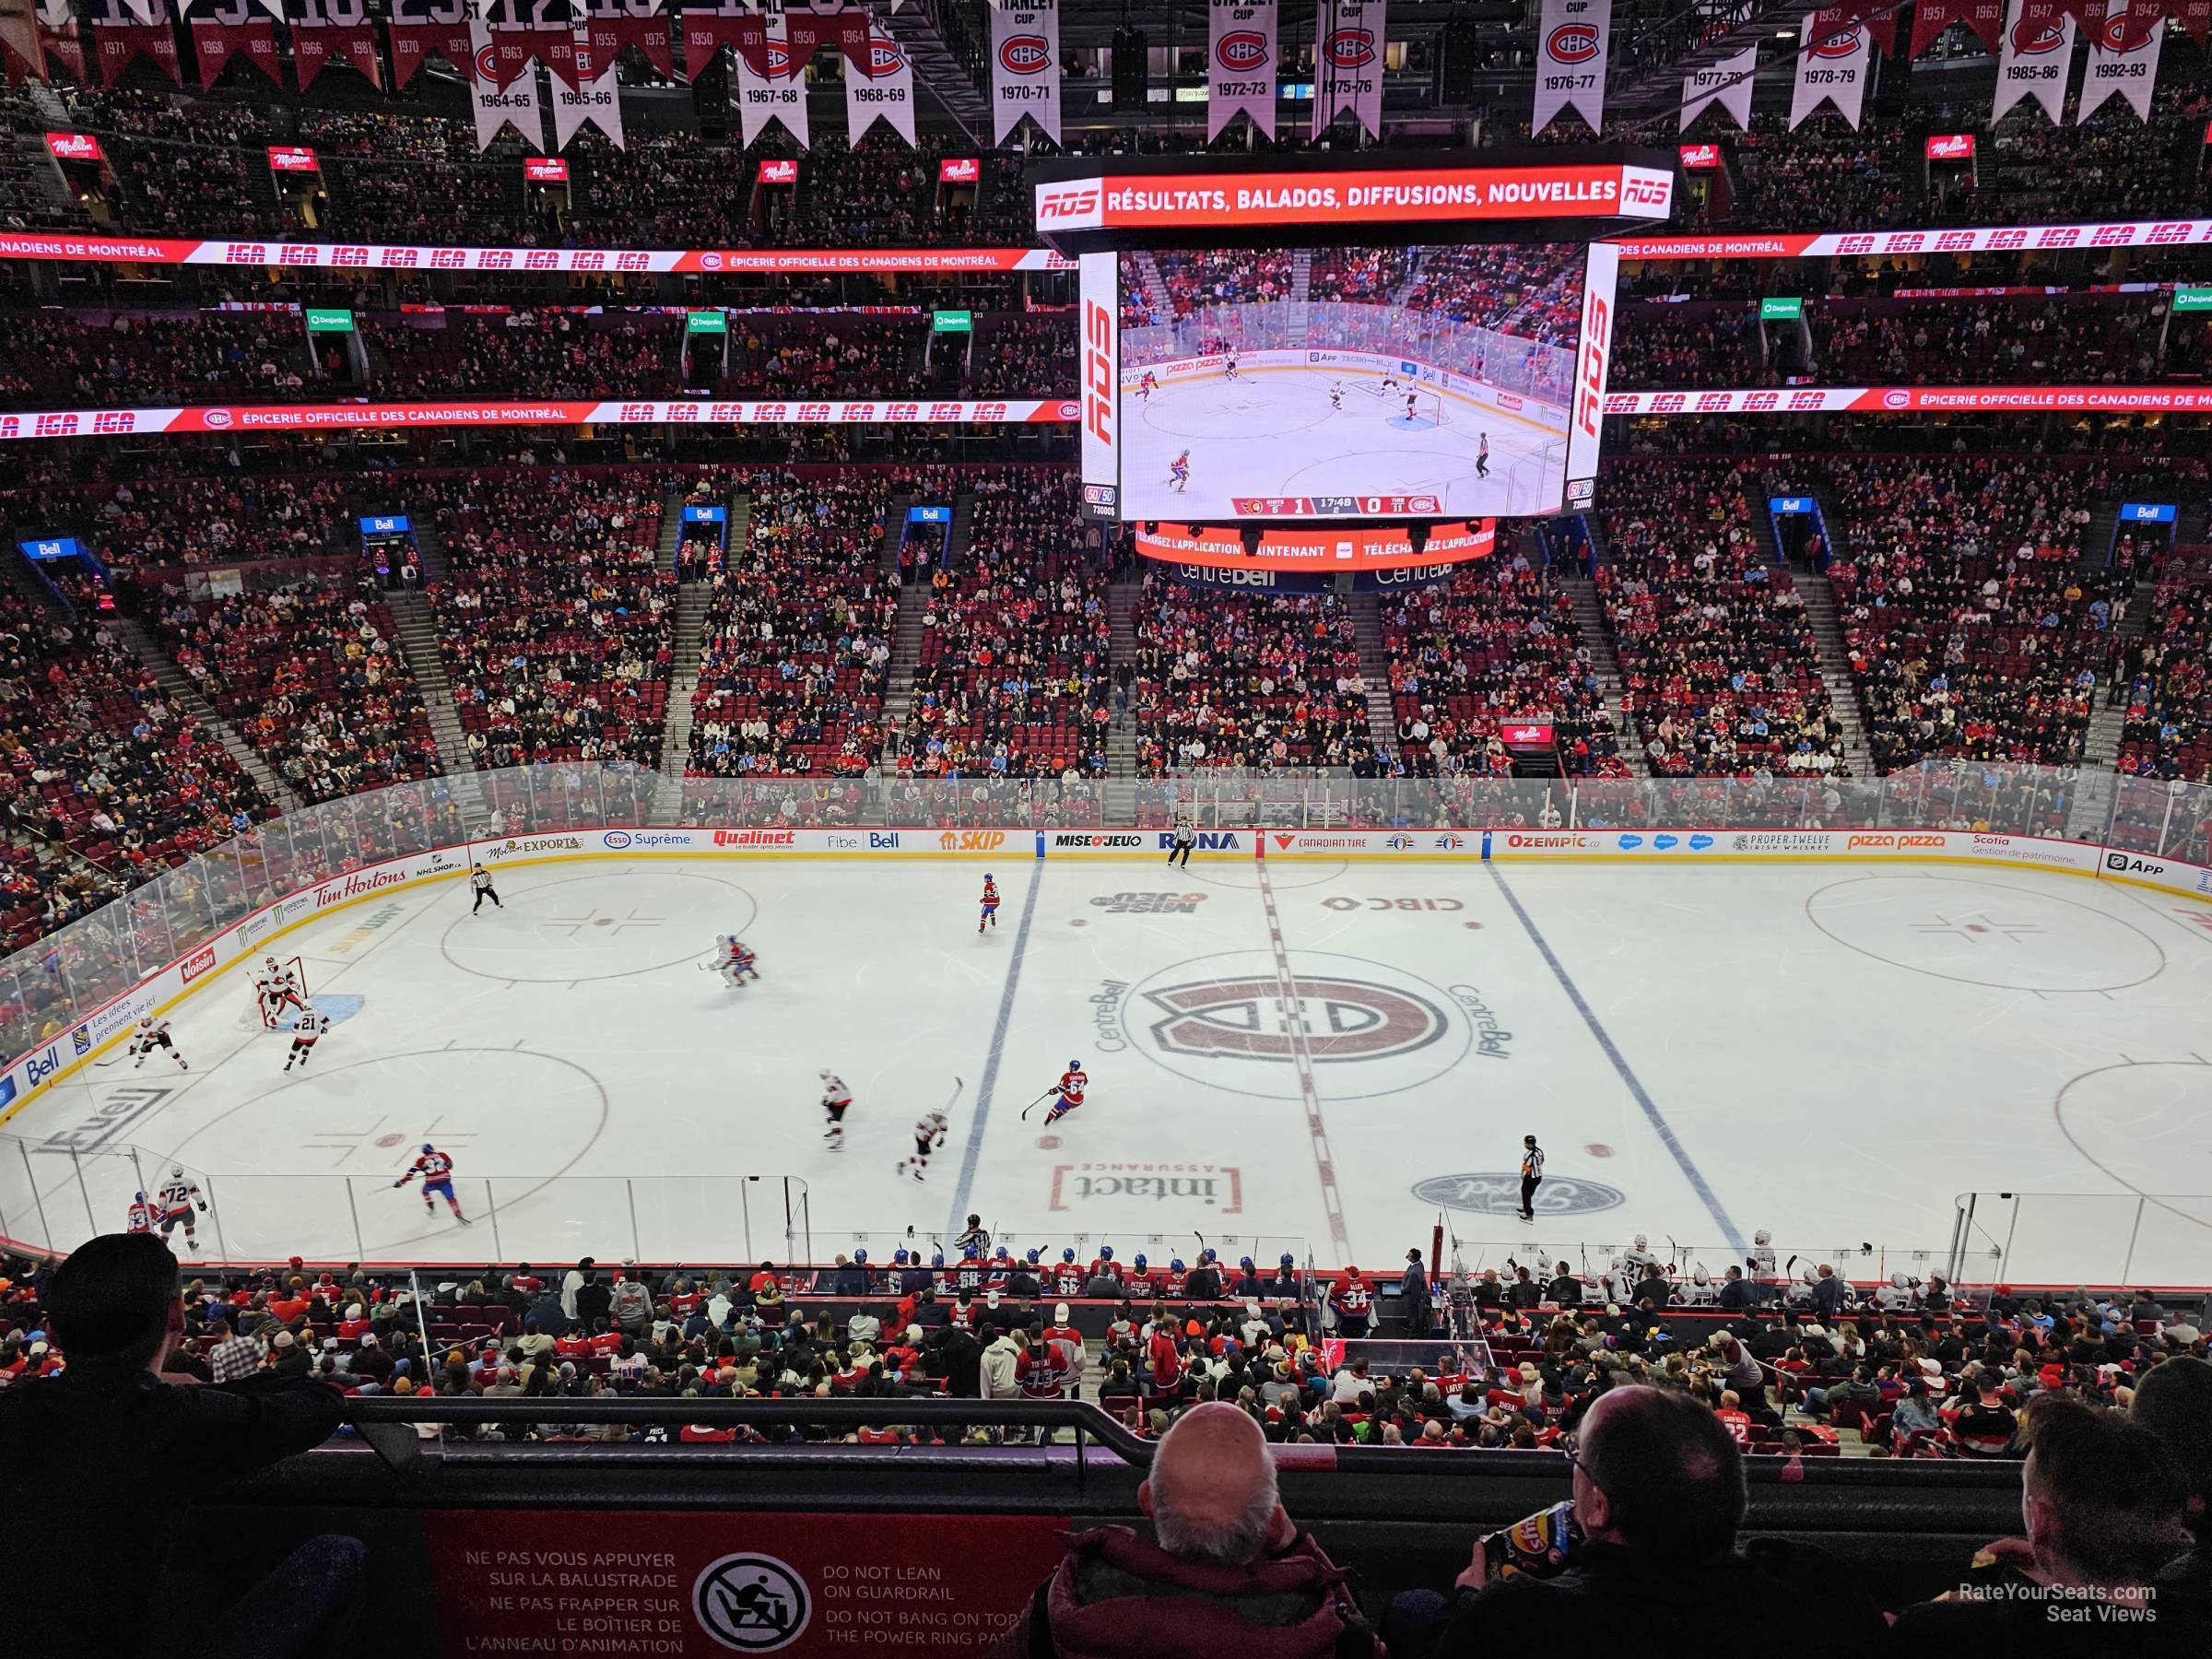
(959, 1083)
(1040, 1100)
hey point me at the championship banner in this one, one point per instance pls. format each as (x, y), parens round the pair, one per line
(226, 28)
(773, 88)
(879, 86)
(332, 30)
(2124, 57)
(1348, 63)
(495, 108)
(120, 38)
(1931, 17)
(615, 23)
(2038, 51)
(342, 416)
(20, 58)
(595, 101)
(708, 29)
(520, 37)
(1240, 65)
(422, 27)
(59, 39)
(1726, 84)
(1572, 41)
(1914, 400)
(806, 31)
(2195, 16)
(1835, 57)
(1025, 69)
(371, 256)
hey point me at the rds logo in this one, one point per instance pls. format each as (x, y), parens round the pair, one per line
(1025, 54)
(1350, 49)
(1241, 50)
(1572, 44)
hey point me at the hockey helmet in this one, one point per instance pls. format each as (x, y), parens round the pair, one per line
(1290, 1259)
(1003, 1254)
(1640, 1241)
(986, 876)
(1762, 1238)
(1067, 1255)
(1176, 1265)
(899, 1258)
(860, 1258)
(1898, 1281)
(1140, 1260)
(971, 1254)
(138, 1197)
(427, 1147)
(937, 1258)
(1701, 1277)
(1207, 1255)
(1074, 1065)
(176, 1172)
(1105, 1252)
(1244, 1261)
(1035, 1256)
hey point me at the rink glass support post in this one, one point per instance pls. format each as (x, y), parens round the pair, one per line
(353, 1209)
(215, 1218)
(492, 1208)
(629, 1191)
(422, 1319)
(2128, 1262)
(38, 1199)
(745, 1207)
(77, 1162)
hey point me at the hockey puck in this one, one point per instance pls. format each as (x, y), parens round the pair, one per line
(1475, 926)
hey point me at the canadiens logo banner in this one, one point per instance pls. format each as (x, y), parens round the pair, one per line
(422, 27)
(517, 106)
(2124, 57)
(1347, 64)
(1572, 38)
(1726, 84)
(2037, 53)
(879, 86)
(1240, 65)
(594, 101)
(1834, 58)
(1025, 69)
(774, 88)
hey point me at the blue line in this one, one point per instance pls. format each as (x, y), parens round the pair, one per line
(1651, 1109)
(973, 1153)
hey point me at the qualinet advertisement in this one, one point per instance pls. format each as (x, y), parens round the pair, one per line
(1907, 400)
(1398, 195)
(296, 417)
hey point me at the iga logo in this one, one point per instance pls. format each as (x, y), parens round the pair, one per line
(1350, 49)
(1572, 44)
(1243, 50)
(2030, 39)
(1025, 54)
(1838, 45)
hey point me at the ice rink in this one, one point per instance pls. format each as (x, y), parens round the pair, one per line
(1272, 432)
(1300, 1056)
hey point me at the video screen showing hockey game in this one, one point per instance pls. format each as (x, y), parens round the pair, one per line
(1326, 382)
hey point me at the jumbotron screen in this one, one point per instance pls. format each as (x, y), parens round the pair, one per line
(1420, 382)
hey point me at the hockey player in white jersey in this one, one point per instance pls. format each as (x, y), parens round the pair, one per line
(153, 1033)
(735, 960)
(836, 1098)
(278, 988)
(1639, 1260)
(307, 1031)
(175, 1202)
(929, 1137)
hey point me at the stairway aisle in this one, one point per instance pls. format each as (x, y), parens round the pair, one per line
(1819, 597)
(1590, 618)
(2091, 810)
(1120, 801)
(178, 688)
(691, 602)
(1374, 668)
(417, 625)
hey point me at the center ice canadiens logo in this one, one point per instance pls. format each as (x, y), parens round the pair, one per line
(1363, 1028)
(752, 1603)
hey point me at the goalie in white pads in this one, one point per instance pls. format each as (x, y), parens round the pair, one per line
(929, 1137)
(175, 1202)
(836, 1098)
(735, 960)
(307, 1031)
(278, 988)
(153, 1033)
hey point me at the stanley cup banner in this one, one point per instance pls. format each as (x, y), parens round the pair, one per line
(327, 31)
(1025, 69)
(226, 28)
(879, 86)
(422, 27)
(1726, 83)
(615, 23)
(595, 100)
(2038, 51)
(1240, 65)
(1835, 56)
(123, 33)
(773, 88)
(494, 109)
(1572, 41)
(2118, 68)
(1348, 63)
(58, 39)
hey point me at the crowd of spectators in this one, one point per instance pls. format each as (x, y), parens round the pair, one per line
(1666, 347)
(61, 359)
(1497, 643)
(837, 356)
(1826, 173)
(2165, 678)
(1014, 680)
(524, 354)
(1196, 280)
(2085, 340)
(1357, 273)
(1719, 664)
(1023, 357)
(1534, 291)
(206, 518)
(798, 632)
(1248, 680)
(555, 625)
(1970, 627)
(312, 675)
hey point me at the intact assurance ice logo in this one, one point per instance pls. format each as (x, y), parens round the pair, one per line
(754, 1604)
(1498, 1192)
(1367, 1028)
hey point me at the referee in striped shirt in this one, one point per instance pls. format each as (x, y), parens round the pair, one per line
(1532, 1175)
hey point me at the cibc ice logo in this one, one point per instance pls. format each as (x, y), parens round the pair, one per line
(1572, 44)
(1242, 49)
(1231, 1021)
(1350, 49)
(1498, 1192)
(752, 1603)
(1026, 54)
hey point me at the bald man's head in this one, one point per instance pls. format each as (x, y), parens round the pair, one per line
(1212, 1495)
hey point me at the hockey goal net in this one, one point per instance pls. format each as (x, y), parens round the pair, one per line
(1428, 409)
(254, 1018)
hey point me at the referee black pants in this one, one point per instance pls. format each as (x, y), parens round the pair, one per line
(1529, 1184)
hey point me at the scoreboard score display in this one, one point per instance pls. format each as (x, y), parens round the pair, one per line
(1303, 340)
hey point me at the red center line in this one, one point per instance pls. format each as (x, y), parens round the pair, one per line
(1302, 1055)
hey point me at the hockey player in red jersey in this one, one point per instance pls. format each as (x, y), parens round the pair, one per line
(990, 915)
(141, 1217)
(437, 1171)
(1073, 1082)
(998, 1273)
(1178, 1278)
(1103, 1265)
(1067, 1276)
(1140, 1283)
